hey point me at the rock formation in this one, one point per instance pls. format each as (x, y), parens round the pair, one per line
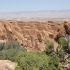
(64, 29)
(30, 34)
(7, 65)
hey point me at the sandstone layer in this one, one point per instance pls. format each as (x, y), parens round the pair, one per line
(31, 35)
(64, 30)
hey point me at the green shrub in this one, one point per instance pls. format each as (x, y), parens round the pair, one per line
(8, 54)
(11, 45)
(60, 52)
(62, 47)
(49, 47)
(18, 68)
(1, 46)
(10, 50)
(54, 60)
(62, 41)
(32, 61)
(37, 61)
(64, 44)
(49, 44)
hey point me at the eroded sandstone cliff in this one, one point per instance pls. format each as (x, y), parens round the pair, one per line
(31, 35)
(64, 30)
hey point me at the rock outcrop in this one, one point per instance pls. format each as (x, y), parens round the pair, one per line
(64, 30)
(30, 34)
(7, 65)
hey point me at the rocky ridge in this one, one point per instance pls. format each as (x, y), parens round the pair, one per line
(31, 35)
(64, 31)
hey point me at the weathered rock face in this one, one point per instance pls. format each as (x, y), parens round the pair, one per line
(67, 27)
(30, 34)
(7, 65)
(64, 30)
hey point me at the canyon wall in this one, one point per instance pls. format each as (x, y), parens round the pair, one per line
(31, 35)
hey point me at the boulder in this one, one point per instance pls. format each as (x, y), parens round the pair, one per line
(7, 65)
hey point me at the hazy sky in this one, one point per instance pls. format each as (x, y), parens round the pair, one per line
(33, 5)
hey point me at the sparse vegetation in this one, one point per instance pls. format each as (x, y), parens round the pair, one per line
(63, 47)
(37, 61)
(63, 52)
(10, 50)
(18, 68)
(49, 47)
(11, 45)
(62, 41)
(29, 60)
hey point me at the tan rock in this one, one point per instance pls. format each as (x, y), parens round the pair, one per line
(30, 34)
(64, 29)
(7, 65)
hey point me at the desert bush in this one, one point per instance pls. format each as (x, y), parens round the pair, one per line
(10, 50)
(49, 44)
(11, 45)
(62, 41)
(1, 46)
(62, 47)
(49, 47)
(54, 60)
(37, 61)
(8, 54)
(30, 60)
(18, 68)
(60, 52)
(64, 44)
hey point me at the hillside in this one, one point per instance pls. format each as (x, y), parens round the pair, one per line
(31, 35)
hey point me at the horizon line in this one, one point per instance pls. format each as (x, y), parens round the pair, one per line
(36, 11)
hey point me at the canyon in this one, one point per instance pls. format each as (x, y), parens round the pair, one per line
(33, 34)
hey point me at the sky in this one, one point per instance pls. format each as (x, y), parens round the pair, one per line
(33, 5)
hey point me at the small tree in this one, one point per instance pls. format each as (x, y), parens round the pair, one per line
(49, 47)
(62, 41)
(61, 49)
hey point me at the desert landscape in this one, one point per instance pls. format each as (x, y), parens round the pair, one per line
(30, 34)
(34, 35)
